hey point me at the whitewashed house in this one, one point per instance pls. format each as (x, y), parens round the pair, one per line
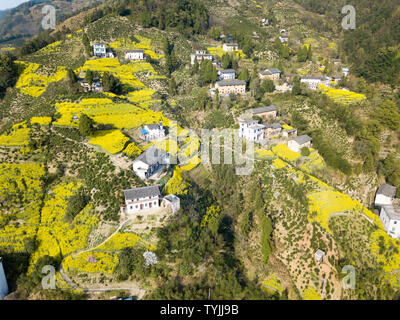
(230, 47)
(99, 50)
(345, 71)
(200, 55)
(390, 217)
(319, 256)
(171, 202)
(226, 74)
(251, 130)
(3, 281)
(141, 199)
(134, 55)
(151, 161)
(384, 195)
(153, 131)
(313, 82)
(299, 143)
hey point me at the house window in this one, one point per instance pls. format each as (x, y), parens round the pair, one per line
(155, 202)
(395, 222)
(130, 207)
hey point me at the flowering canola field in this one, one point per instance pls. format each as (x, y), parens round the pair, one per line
(341, 96)
(18, 135)
(112, 141)
(23, 179)
(92, 262)
(283, 151)
(32, 83)
(105, 111)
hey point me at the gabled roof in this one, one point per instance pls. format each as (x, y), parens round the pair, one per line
(302, 139)
(135, 51)
(227, 71)
(393, 212)
(314, 78)
(150, 156)
(231, 44)
(387, 190)
(230, 82)
(142, 192)
(257, 126)
(153, 126)
(273, 125)
(262, 109)
(270, 71)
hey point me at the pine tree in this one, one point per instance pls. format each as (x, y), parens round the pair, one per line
(86, 45)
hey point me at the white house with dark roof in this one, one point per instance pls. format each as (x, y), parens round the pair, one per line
(153, 131)
(384, 195)
(141, 199)
(229, 47)
(151, 161)
(267, 112)
(134, 55)
(226, 87)
(299, 143)
(272, 74)
(226, 74)
(251, 130)
(390, 217)
(3, 281)
(200, 55)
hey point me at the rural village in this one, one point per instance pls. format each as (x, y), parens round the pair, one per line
(104, 105)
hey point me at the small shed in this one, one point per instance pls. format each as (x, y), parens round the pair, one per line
(319, 255)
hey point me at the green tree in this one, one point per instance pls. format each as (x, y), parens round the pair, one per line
(388, 114)
(86, 45)
(8, 73)
(86, 125)
(244, 75)
(89, 76)
(172, 86)
(111, 83)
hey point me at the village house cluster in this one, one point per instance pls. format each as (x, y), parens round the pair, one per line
(251, 130)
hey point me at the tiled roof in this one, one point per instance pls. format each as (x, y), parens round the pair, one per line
(142, 192)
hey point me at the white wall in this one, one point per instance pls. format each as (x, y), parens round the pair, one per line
(392, 226)
(382, 200)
